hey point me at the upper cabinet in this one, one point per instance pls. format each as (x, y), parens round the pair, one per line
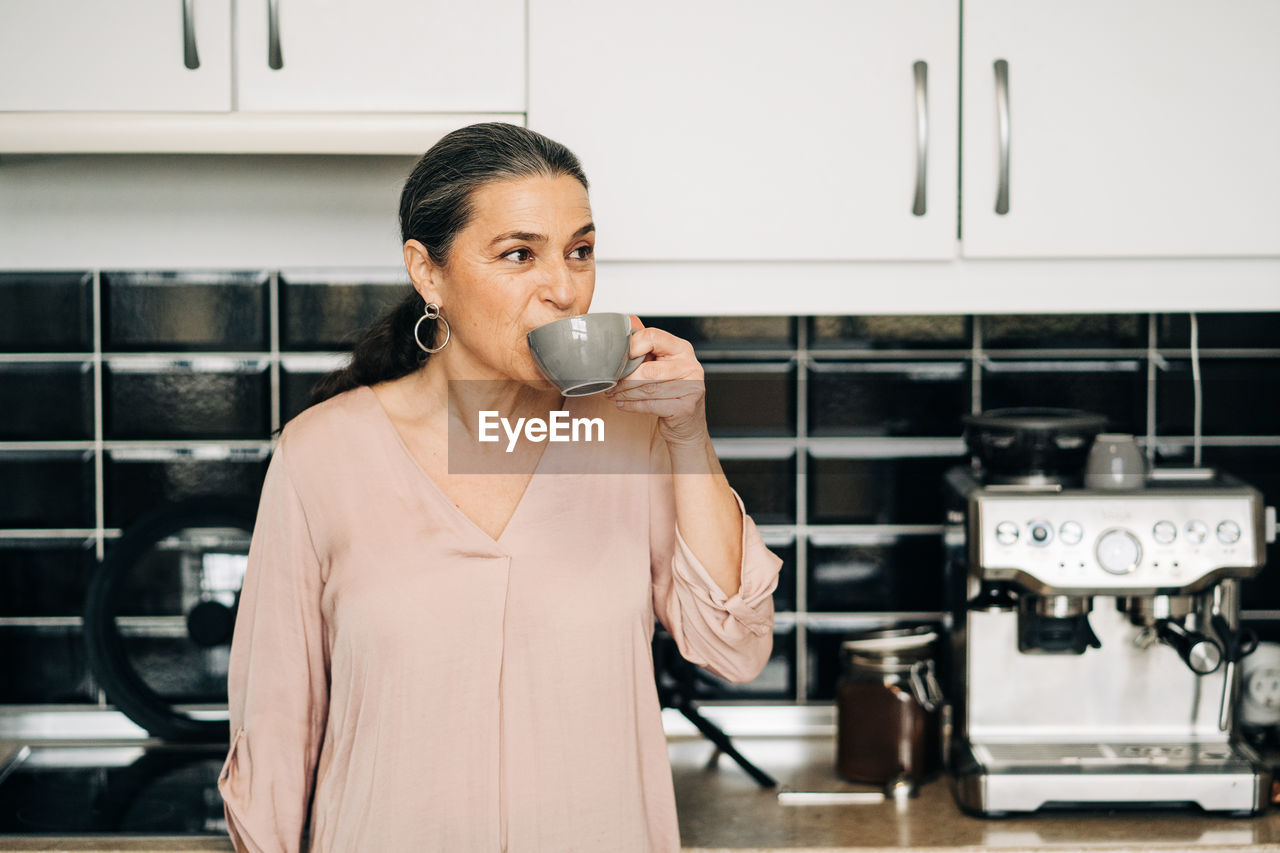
(255, 76)
(126, 55)
(729, 131)
(380, 55)
(1095, 128)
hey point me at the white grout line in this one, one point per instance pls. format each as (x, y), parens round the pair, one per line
(99, 462)
(99, 488)
(800, 660)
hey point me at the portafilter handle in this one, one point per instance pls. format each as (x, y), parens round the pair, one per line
(1201, 654)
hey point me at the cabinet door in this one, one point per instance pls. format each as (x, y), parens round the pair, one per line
(123, 55)
(380, 55)
(1135, 128)
(723, 130)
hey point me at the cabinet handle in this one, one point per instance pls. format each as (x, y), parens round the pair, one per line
(921, 69)
(1002, 113)
(274, 59)
(190, 56)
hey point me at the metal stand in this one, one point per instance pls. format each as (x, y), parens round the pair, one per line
(677, 693)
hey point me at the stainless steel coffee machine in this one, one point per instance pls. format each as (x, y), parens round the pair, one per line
(1095, 630)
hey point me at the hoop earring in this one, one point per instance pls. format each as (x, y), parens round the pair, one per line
(432, 312)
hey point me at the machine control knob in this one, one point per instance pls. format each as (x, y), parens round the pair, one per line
(1197, 532)
(1006, 533)
(1165, 532)
(1228, 532)
(1070, 533)
(1119, 552)
(1041, 533)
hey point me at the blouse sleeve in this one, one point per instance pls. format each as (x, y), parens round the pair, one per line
(732, 636)
(277, 687)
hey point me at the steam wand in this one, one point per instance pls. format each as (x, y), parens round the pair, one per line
(1236, 643)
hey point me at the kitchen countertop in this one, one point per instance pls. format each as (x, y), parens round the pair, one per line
(722, 809)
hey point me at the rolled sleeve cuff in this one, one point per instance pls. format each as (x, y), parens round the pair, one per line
(752, 604)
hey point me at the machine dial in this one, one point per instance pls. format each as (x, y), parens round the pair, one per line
(1197, 532)
(1165, 532)
(1006, 533)
(1119, 552)
(1228, 533)
(1040, 533)
(1070, 533)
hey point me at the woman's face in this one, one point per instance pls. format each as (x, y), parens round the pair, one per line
(525, 259)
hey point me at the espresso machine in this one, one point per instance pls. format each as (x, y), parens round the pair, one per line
(1095, 624)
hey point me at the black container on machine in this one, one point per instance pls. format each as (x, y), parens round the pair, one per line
(1031, 445)
(888, 707)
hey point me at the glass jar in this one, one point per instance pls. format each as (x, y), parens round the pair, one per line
(888, 707)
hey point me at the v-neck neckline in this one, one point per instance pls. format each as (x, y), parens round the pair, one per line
(497, 541)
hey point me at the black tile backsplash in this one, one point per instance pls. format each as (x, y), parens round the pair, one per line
(44, 577)
(876, 573)
(735, 333)
(330, 315)
(184, 311)
(766, 486)
(1115, 388)
(750, 402)
(295, 388)
(877, 491)
(869, 406)
(1227, 331)
(1263, 592)
(136, 485)
(889, 398)
(47, 488)
(890, 332)
(186, 400)
(44, 664)
(46, 312)
(1240, 396)
(46, 401)
(1064, 331)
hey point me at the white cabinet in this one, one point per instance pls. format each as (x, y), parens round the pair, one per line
(730, 131)
(143, 55)
(1143, 128)
(290, 56)
(380, 55)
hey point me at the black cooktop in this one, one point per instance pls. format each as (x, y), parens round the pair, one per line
(123, 789)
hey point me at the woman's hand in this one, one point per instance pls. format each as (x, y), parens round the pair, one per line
(669, 384)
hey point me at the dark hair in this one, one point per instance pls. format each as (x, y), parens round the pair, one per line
(436, 204)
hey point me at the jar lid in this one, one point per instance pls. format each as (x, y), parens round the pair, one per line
(891, 640)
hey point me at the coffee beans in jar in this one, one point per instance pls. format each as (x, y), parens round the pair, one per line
(888, 707)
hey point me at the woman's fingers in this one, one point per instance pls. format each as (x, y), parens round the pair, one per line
(663, 408)
(653, 378)
(661, 344)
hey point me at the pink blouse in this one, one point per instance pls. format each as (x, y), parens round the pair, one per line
(409, 683)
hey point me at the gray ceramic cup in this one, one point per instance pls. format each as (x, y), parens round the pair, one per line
(586, 354)
(1115, 462)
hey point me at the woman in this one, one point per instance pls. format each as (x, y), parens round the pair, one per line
(429, 659)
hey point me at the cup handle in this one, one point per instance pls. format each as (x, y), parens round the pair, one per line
(632, 363)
